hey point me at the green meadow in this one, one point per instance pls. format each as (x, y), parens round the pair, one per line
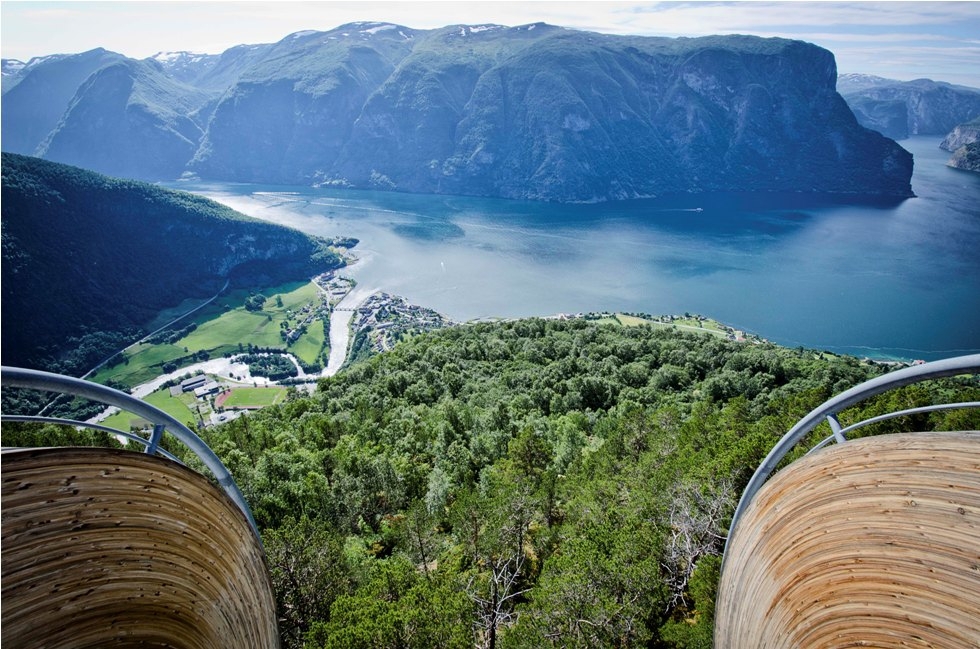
(180, 408)
(254, 397)
(227, 327)
(706, 325)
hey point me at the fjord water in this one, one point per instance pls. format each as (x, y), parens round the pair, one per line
(870, 278)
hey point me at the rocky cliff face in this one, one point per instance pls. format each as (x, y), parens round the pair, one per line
(962, 135)
(533, 112)
(582, 117)
(899, 109)
(967, 157)
(964, 142)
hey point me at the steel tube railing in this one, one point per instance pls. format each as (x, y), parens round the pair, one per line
(16, 377)
(829, 409)
(892, 415)
(41, 419)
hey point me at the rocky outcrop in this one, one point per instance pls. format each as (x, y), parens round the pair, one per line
(962, 135)
(964, 142)
(966, 157)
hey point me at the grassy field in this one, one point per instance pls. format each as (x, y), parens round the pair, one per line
(254, 397)
(308, 347)
(168, 315)
(145, 363)
(707, 325)
(180, 408)
(226, 327)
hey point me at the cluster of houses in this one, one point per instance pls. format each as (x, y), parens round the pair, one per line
(304, 318)
(386, 317)
(334, 286)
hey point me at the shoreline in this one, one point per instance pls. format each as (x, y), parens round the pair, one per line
(344, 328)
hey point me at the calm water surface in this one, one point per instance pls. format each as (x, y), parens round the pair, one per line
(886, 281)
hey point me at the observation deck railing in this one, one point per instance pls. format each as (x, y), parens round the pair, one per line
(162, 422)
(830, 409)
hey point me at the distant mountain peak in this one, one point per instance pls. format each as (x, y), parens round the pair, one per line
(374, 28)
(363, 30)
(12, 66)
(853, 82)
(476, 29)
(369, 28)
(172, 57)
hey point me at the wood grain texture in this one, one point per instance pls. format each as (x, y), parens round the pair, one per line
(110, 548)
(871, 543)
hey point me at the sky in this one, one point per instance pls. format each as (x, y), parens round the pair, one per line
(896, 40)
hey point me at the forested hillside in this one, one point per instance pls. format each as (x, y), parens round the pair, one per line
(538, 483)
(88, 260)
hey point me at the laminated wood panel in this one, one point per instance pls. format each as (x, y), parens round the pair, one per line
(110, 548)
(870, 543)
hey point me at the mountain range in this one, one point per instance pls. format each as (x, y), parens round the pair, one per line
(531, 112)
(899, 109)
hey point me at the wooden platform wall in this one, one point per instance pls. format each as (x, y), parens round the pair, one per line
(109, 548)
(871, 543)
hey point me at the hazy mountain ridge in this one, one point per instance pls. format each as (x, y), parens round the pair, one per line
(535, 111)
(899, 109)
(43, 90)
(128, 119)
(86, 254)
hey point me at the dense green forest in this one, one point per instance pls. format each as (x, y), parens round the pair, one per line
(538, 483)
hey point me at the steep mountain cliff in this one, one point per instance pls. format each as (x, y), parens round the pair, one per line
(85, 254)
(966, 157)
(961, 135)
(540, 112)
(533, 112)
(899, 109)
(964, 142)
(291, 113)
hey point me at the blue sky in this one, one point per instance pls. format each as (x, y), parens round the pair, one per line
(898, 40)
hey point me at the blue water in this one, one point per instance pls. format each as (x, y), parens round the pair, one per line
(893, 280)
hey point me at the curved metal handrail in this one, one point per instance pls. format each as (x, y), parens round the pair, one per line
(46, 381)
(829, 410)
(41, 419)
(892, 415)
